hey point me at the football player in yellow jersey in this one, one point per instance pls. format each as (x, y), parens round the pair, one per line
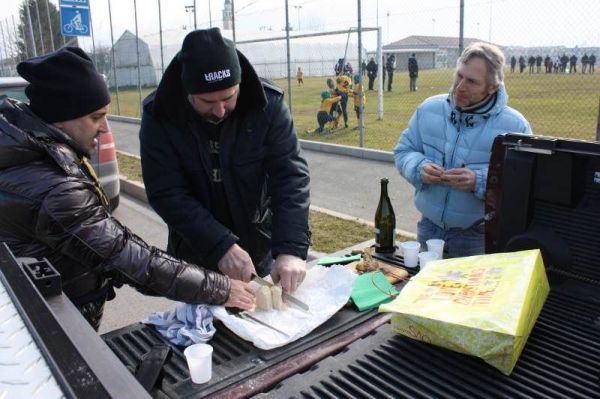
(356, 92)
(324, 115)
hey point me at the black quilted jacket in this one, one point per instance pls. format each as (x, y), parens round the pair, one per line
(49, 208)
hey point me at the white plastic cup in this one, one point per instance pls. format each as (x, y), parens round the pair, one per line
(199, 360)
(410, 252)
(426, 257)
(437, 246)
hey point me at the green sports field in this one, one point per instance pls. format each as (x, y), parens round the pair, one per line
(555, 105)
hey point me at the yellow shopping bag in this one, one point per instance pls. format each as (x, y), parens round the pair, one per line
(484, 305)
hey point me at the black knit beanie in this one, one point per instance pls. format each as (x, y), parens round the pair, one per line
(63, 85)
(209, 62)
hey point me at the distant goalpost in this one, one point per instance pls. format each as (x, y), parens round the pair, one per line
(337, 32)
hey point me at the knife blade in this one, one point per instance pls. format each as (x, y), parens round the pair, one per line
(289, 298)
(245, 315)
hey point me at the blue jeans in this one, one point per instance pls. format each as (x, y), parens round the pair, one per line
(459, 242)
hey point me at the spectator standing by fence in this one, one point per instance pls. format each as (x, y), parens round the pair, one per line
(371, 72)
(383, 71)
(591, 63)
(573, 64)
(521, 64)
(413, 71)
(538, 64)
(548, 64)
(390, 65)
(531, 62)
(584, 62)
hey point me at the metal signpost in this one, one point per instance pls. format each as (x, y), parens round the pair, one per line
(75, 17)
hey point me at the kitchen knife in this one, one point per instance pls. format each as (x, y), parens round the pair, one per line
(245, 315)
(288, 298)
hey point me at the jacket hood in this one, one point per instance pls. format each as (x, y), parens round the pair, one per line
(170, 99)
(25, 138)
(496, 103)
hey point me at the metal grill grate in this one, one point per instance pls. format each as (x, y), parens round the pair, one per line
(234, 359)
(561, 359)
(581, 230)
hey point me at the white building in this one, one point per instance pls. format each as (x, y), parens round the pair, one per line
(126, 62)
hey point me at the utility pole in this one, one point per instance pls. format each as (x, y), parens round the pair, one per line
(388, 26)
(298, 9)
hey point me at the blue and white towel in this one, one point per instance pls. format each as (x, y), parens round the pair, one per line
(186, 325)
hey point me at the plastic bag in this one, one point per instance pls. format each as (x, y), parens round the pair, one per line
(484, 306)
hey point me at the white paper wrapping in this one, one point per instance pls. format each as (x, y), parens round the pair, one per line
(324, 290)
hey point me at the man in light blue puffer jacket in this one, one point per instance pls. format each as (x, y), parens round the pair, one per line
(445, 151)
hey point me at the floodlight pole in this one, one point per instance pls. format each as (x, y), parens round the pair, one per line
(380, 67)
(287, 44)
(598, 126)
(461, 34)
(361, 120)
(137, 51)
(114, 60)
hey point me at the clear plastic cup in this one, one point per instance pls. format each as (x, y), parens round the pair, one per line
(199, 360)
(437, 246)
(410, 252)
(426, 257)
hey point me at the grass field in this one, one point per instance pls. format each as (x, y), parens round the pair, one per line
(555, 105)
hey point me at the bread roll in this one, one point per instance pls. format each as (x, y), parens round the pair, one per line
(263, 299)
(278, 303)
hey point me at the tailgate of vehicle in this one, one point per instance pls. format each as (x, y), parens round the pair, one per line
(561, 359)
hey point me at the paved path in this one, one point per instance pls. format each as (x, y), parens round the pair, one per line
(339, 183)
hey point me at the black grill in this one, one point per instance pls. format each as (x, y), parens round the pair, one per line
(234, 359)
(580, 229)
(561, 359)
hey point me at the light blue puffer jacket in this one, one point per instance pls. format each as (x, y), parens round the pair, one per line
(439, 133)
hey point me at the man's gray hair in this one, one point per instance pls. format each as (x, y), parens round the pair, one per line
(491, 54)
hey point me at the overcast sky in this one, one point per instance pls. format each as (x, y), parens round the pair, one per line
(506, 22)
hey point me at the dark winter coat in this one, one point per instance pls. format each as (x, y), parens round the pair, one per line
(413, 67)
(265, 177)
(50, 208)
(372, 68)
(390, 64)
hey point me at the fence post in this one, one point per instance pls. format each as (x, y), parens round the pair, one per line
(598, 125)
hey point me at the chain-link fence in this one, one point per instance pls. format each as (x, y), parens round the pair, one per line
(557, 89)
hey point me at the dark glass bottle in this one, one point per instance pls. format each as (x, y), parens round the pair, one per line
(385, 222)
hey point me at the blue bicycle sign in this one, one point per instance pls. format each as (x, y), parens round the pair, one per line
(74, 19)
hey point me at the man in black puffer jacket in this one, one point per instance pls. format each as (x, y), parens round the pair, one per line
(52, 205)
(222, 165)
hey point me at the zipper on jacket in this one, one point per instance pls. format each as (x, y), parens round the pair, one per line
(449, 189)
